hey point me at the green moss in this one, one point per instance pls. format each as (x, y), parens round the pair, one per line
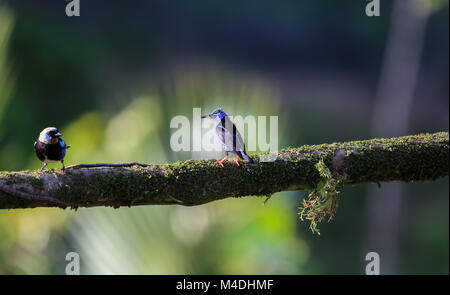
(193, 182)
(113, 187)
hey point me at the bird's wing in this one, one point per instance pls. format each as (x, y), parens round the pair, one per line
(63, 144)
(229, 135)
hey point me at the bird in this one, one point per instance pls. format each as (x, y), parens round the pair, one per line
(229, 137)
(50, 147)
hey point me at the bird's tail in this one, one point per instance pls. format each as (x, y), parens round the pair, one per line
(247, 157)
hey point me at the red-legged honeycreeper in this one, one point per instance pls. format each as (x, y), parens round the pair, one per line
(229, 136)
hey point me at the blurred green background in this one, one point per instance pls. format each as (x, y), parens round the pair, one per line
(112, 79)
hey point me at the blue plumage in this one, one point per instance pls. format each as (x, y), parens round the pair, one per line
(229, 136)
(63, 145)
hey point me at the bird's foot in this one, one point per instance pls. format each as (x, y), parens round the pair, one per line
(220, 161)
(236, 160)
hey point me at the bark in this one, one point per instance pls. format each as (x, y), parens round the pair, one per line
(420, 157)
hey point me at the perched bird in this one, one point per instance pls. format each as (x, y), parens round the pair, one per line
(229, 136)
(50, 147)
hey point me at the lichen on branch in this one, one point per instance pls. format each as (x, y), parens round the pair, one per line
(194, 182)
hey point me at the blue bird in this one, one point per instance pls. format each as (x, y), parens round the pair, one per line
(229, 136)
(50, 147)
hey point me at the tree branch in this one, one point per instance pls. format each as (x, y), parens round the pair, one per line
(194, 182)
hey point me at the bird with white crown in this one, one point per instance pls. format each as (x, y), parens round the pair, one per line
(50, 147)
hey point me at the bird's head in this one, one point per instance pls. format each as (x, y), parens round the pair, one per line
(217, 113)
(50, 135)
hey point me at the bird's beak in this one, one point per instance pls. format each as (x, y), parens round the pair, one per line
(205, 116)
(58, 134)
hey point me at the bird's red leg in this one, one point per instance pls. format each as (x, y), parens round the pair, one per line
(236, 160)
(220, 161)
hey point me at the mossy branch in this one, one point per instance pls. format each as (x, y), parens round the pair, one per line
(412, 158)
